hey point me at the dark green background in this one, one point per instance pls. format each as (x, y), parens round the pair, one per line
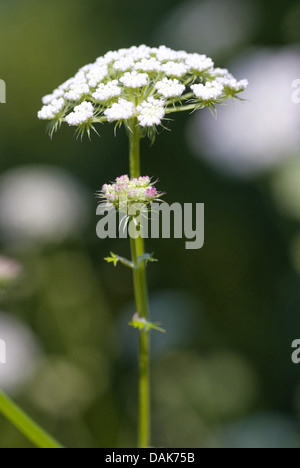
(222, 376)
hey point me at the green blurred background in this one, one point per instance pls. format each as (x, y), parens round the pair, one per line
(222, 376)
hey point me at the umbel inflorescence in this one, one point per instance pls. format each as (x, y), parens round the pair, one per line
(138, 86)
(126, 191)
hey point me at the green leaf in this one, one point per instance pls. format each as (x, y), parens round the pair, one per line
(115, 259)
(146, 258)
(143, 324)
(30, 429)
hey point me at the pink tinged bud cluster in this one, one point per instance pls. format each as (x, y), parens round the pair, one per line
(151, 192)
(128, 190)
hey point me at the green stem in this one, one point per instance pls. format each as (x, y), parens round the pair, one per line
(141, 299)
(134, 151)
(25, 424)
(184, 97)
(170, 110)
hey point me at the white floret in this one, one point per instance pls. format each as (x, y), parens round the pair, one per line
(199, 63)
(107, 91)
(148, 65)
(81, 74)
(134, 79)
(82, 114)
(67, 84)
(139, 53)
(170, 88)
(232, 85)
(111, 56)
(122, 110)
(78, 89)
(48, 99)
(174, 69)
(151, 112)
(83, 70)
(210, 91)
(51, 111)
(219, 72)
(164, 53)
(102, 61)
(96, 75)
(242, 85)
(124, 64)
(57, 93)
(182, 55)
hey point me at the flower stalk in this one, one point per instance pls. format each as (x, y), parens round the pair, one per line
(142, 306)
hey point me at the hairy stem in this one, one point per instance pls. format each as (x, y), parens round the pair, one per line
(141, 300)
(26, 425)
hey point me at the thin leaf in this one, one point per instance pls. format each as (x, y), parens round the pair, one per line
(115, 259)
(143, 325)
(146, 258)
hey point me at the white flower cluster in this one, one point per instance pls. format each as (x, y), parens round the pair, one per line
(104, 92)
(95, 74)
(58, 93)
(170, 88)
(199, 63)
(52, 110)
(212, 90)
(81, 115)
(121, 110)
(140, 83)
(232, 85)
(151, 112)
(77, 91)
(134, 79)
(174, 69)
(148, 65)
